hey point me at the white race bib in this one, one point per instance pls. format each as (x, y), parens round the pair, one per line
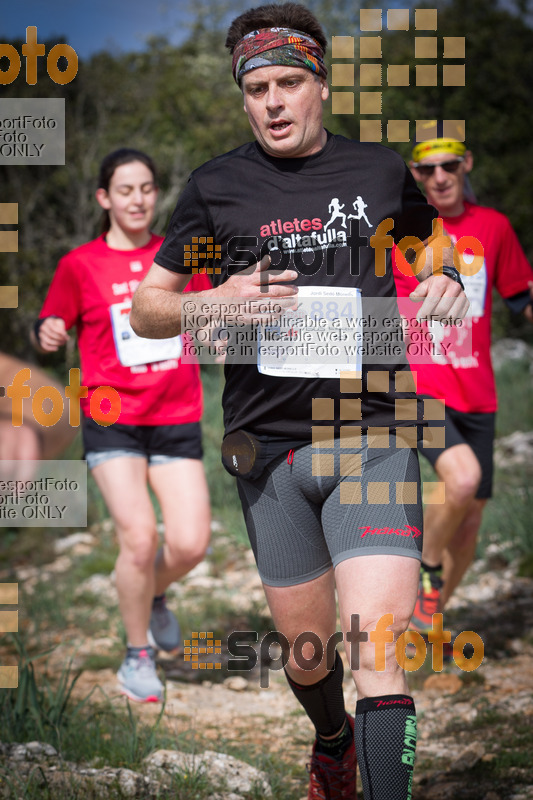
(132, 349)
(320, 339)
(476, 290)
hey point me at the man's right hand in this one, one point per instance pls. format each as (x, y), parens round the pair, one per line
(259, 282)
(52, 334)
(259, 293)
(160, 308)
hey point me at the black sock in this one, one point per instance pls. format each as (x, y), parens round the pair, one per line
(385, 743)
(136, 651)
(335, 748)
(158, 598)
(434, 570)
(324, 701)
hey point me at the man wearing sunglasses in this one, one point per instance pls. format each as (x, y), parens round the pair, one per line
(458, 370)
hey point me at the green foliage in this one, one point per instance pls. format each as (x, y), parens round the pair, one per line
(515, 410)
(17, 546)
(222, 487)
(38, 711)
(507, 518)
(100, 561)
(182, 106)
(499, 56)
(100, 733)
(141, 745)
(525, 569)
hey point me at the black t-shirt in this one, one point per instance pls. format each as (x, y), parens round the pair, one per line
(316, 215)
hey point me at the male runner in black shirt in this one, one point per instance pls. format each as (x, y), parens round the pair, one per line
(333, 505)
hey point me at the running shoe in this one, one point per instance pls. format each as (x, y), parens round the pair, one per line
(138, 678)
(164, 632)
(428, 601)
(330, 779)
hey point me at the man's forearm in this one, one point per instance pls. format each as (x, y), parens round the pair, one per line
(159, 313)
(160, 309)
(156, 313)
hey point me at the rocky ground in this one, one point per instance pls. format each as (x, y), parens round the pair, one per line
(475, 727)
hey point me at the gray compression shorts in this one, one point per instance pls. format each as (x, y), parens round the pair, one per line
(300, 524)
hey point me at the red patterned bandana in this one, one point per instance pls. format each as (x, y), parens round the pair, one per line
(269, 47)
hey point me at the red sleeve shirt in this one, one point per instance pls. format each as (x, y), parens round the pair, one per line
(87, 283)
(460, 368)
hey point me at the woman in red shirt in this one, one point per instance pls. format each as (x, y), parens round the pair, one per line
(156, 439)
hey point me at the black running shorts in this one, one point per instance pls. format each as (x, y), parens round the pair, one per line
(475, 430)
(150, 441)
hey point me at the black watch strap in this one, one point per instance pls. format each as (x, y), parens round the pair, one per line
(454, 274)
(37, 328)
(38, 324)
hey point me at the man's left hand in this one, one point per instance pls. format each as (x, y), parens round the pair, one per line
(442, 299)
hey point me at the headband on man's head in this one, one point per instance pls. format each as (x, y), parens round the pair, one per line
(284, 47)
(437, 147)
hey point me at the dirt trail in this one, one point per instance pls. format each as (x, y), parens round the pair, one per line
(475, 728)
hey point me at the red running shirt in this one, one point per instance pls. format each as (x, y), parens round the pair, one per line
(458, 373)
(88, 283)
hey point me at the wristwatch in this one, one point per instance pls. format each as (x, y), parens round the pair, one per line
(453, 273)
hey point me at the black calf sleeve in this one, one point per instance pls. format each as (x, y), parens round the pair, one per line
(323, 701)
(385, 743)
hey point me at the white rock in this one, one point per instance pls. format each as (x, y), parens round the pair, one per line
(128, 782)
(469, 757)
(237, 775)
(510, 350)
(61, 564)
(200, 570)
(41, 749)
(174, 761)
(517, 448)
(230, 796)
(27, 573)
(68, 542)
(99, 585)
(236, 683)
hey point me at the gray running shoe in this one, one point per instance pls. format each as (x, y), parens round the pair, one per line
(164, 632)
(138, 678)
